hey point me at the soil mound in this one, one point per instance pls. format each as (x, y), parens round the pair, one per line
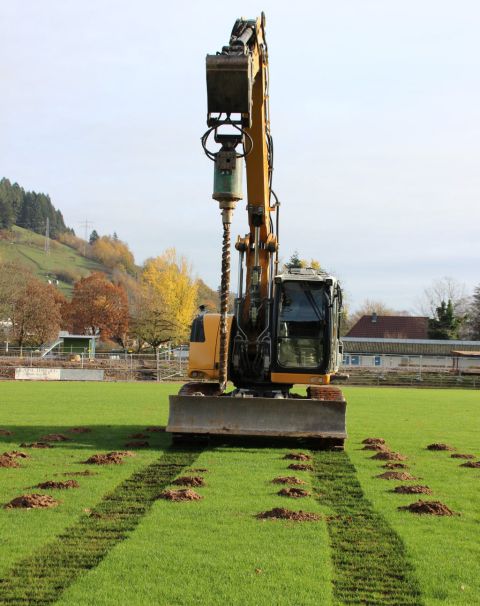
(462, 456)
(87, 472)
(80, 430)
(288, 480)
(59, 485)
(298, 456)
(32, 501)
(294, 493)
(155, 428)
(393, 465)
(6, 432)
(6, 461)
(189, 481)
(396, 475)
(138, 436)
(373, 441)
(280, 513)
(389, 456)
(137, 444)
(434, 508)
(55, 437)
(184, 494)
(16, 454)
(111, 458)
(300, 467)
(378, 447)
(471, 464)
(36, 445)
(437, 446)
(417, 489)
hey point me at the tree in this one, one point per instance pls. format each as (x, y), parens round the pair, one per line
(367, 308)
(93, 237)
(445, 289)
(445, 324)
(474, 316)
(99, 307)
(296, 263)
(168, 300)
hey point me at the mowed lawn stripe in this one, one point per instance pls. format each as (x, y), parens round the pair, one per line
(370, 564)
(40, 578)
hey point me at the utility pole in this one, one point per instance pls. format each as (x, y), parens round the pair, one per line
(47, 237)
(86, 224)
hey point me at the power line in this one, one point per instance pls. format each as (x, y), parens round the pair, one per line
(47, 237)
(86, 224)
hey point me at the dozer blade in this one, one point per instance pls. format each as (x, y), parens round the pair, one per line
(289, 417)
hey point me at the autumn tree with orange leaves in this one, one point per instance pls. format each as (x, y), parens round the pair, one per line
(99, 307)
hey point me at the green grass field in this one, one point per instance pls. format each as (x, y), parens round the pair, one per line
(111, 541)
(28, 248)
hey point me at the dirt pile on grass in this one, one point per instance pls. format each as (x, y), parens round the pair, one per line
(294, 493)
(393, 465)
(111, 458)
(462, 456)
(59, 485)
(79, 430)
(138, 436)
(6, 432)
(377, 447)
(6, 461)
(438, 446)
(36, 445)
(396, 475)
(189, 481)
(389, 456)
(416, 489)
(373, 441)
(300, 467)
(155, 428)
(180, 495)
(298, 456)
(288, 480)
(433, 508)
(280, 513)
(16, 454)
(55, 437)
(475, 464)
(32, 501)
(137, 444)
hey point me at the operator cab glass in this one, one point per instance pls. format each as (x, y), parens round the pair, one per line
(302, 322)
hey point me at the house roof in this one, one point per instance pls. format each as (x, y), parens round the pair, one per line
(390, 327)
(407, 347)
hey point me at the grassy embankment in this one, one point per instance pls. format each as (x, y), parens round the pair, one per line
(214, 551)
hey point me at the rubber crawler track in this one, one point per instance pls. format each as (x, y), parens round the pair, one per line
(40, 578)
(370, 565)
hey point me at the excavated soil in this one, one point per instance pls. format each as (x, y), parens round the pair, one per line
(395, 466)
(373, 441)
(36, 445)
(32, 501)
(111, 458)
(189, 481)
(16, 454)
(462, 456)
(434, 508)
(55, 437)
(288, 480)
(389, 456)
(298, 456)
(396, 475)
(138, 436)
(280, 513)
(180, 495)
(300, 467)
(377, 446)
(139, 444)
(6, 461)
(437, 446)
(417, 489)
(294, 493)
(59, 485)
(87, 472)
(471, 464)
(155, 428)
(80, 430)
(6, 432)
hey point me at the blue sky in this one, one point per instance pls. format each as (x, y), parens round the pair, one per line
(375, 110)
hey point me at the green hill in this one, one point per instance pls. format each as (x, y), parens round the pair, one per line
(62, 262)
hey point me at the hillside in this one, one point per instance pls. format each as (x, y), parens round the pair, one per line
(62, 262)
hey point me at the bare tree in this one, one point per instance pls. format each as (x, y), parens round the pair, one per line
(444, 290)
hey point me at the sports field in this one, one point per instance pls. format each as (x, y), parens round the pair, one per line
(111, 540)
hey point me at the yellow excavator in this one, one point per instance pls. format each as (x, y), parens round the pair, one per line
(284, 330)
